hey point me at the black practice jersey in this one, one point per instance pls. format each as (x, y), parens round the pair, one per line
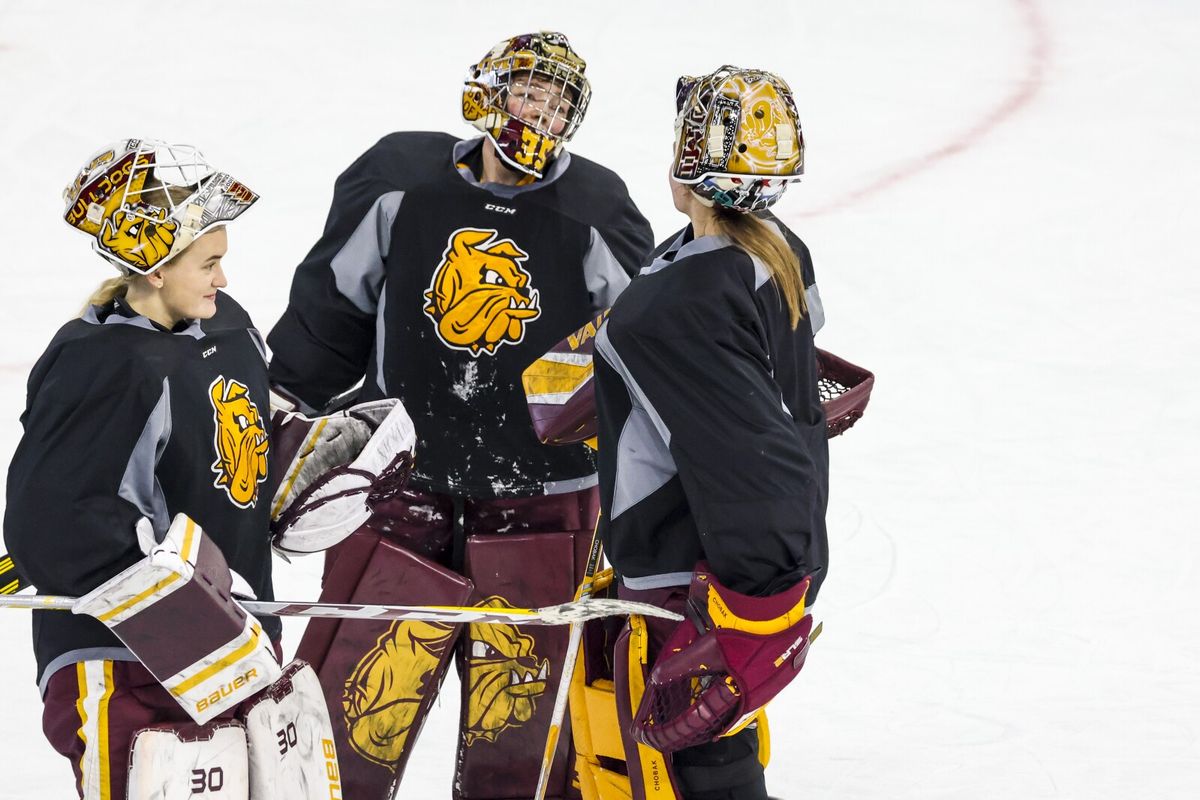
(438, 290)
(125, 420)
(712, 435)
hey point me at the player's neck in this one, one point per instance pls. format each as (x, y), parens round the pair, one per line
(150, 305)
(704, 219)
(495, 171)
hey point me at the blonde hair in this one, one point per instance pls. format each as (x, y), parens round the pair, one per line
(758, 239)
(109, 290)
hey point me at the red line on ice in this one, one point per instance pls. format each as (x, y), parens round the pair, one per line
(1037, 59)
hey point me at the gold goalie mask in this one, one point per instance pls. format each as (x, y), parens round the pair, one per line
(737, 138)
(143, 201)
(528, 95)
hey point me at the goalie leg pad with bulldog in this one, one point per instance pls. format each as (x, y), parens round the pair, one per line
(511, 675)
(184, 761)
(380, 678)
(174, 611)
(291, 740)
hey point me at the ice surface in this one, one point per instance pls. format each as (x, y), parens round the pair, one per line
(998, 199)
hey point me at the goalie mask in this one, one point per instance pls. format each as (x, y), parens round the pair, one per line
(528, 96)
(737, 138)
(144, 201)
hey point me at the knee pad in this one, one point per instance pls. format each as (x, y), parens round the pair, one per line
(291, 741)
(181, 761)
(380, 677)
(510, 674)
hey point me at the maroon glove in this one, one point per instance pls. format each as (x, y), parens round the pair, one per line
(722, 664)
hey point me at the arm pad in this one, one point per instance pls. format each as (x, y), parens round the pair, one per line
(174, 611)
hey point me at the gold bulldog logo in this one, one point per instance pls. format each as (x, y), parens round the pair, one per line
(480, 296)
(142, 238)
(240, 441)
(387, 686)
(505, 677)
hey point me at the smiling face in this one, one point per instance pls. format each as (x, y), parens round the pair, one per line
(187, 286)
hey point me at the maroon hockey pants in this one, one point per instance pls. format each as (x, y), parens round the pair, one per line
(93, 709)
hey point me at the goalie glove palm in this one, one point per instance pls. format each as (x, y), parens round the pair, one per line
(334, 470)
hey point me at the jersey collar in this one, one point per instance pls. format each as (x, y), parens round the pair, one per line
(467, 158)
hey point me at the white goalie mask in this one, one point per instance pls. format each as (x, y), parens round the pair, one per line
(143, 201)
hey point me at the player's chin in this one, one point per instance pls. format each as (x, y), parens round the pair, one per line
(205, 307)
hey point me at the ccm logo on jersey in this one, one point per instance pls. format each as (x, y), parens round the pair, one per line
(500, 209)
(209, 352)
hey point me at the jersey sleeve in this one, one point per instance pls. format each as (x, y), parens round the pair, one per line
(627, 234)
(703, 376)
(73, 484)
(322, 343)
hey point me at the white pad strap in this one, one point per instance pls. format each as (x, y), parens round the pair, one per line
(183, 762)
(292, 752)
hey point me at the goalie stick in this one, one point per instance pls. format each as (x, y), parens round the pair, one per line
(578, 611)
(583, 595)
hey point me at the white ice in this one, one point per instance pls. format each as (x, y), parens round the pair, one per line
(997, 199)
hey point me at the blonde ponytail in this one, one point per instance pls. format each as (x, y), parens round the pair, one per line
(759, 240)
(109, 290)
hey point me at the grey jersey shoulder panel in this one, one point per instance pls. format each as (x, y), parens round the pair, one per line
(602, 273)
(644, 461)
(260, 343)
(139, 483)
(816, 309)
(358, 267)
(678, 251)
(380, 342)
(92, 317)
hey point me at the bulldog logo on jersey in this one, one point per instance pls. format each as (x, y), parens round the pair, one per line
(385, 691)
(505, 677)
(480, 297)
(240, 441)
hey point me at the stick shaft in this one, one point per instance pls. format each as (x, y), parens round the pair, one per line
(568, 668)
(564, 614)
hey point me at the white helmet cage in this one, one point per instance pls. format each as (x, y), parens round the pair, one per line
(123, 199)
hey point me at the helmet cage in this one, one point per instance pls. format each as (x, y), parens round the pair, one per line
(737, 150)
(123, 199)
(535, 72)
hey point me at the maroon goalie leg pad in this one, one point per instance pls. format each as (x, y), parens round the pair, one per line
(380, 678)
(511, 675)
